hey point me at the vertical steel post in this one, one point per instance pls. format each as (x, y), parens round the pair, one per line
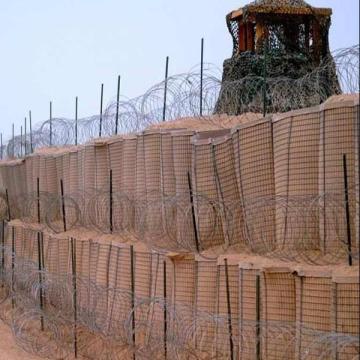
(8, 204)
(40, 268)
(101, 109)
(2, 246)
(231, 341)
(258, 338)
(1, 146)
(201, 76)
(76, 120)
(197, 244)
(63, 203)
(13, 140)
(12, 266)
(111, 201)
(165, 311)
(165, 87)
(347, 211)
(25, 125)
(265, 81)
(117, 106)
(132, 272)
(50, 123)
(73, 257)
(21, 141)
(38, 199)
(31, 138)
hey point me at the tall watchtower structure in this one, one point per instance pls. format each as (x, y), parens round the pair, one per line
(273, 39)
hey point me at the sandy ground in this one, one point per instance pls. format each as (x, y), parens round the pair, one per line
(9, 350)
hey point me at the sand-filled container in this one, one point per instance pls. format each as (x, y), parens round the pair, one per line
(253, 161)
(278, 312)
(227, 332)
(47, 174)
(346, 305)
(206, 191)
(29, 174)
(122, 156)
(313, 311)
(357, 172)
(296, 172)
(181, 143)
(249, 310)
(153, 214)
(228, 192)
(102, 168)
(206, 305)
(338, 137)
(140, 184)
(89, 175)
(115, 148)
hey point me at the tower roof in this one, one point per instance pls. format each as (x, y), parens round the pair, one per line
(291, 7)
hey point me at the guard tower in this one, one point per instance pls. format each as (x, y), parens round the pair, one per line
(275, 39)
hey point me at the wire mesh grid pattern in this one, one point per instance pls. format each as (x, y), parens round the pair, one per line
(114, 248)
(273, 186)
(119, 301)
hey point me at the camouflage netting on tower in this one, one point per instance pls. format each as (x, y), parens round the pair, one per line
(281, 59)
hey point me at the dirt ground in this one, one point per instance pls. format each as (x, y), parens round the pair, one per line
(9, 350)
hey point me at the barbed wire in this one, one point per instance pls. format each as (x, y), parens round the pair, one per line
(183, 100)
(291, 228)
(114, 323)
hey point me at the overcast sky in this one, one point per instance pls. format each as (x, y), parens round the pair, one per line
(55, 50)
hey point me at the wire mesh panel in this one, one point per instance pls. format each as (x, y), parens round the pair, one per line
(229, 197)
(168, 187)
(57, 253)
(20, 179)
(278, 304)
(102, 166)
(346, 312)
(313, 312)
(206, 306)
(154, 227)
(3, 177)
(337, 138)
(63, 160)
(181, 142)
(29, 174)
(357, 172)
(122, 156)
(208, 213)
(253, 163)
(296, 171)
(140, 189)
(249, 312)
(89, 179)
(227, 334)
